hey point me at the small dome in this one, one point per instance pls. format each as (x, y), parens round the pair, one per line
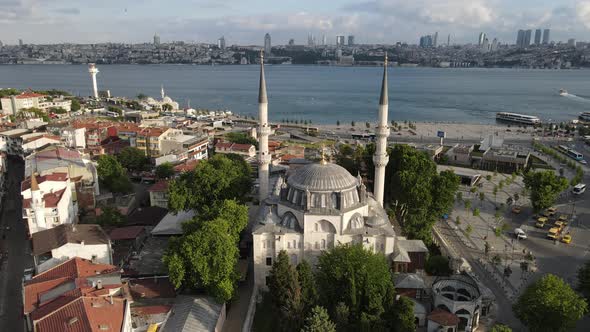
(322, 177)
(167, 100)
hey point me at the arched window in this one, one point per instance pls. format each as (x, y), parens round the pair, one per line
(326, 226)
(323, 244)
(356, 221)
(334, 200)
(444, 307)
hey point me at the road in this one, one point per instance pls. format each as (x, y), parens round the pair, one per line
(16, 245)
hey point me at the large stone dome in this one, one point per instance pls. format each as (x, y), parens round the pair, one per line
(322, 177)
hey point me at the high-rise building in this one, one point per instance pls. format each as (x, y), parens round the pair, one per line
(519, 38)
(435, 39)
(449, 40)
(527, 38)
(494, 45)
(350, 40)
(267, 45)
(310, 40)
(482, 37)
(156, 39)
(546, 33)
(538, 34)
(20, 42)
(1, 44)
(426, 41)
(339, 40)
(324, 40)
(291, 42)
(571, 42)
(485, 46)
(221, 43)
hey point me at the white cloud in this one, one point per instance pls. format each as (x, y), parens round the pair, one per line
(583, 13)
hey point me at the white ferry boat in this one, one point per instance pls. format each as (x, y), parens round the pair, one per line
(562, 92)
(518, 118)
(585, 116)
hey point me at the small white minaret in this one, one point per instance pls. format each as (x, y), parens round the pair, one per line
(264, 132)
(37, 203)
(380, 159)
(93, 71)
(162, 93)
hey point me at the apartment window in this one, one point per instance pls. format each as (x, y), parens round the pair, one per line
(316, 227)
(294, 244)
(268, 261)
(288, 245)
(268, 244)
(317, 245)
(323, 244)
(263, 245)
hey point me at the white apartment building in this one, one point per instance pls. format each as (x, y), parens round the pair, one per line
(74, 137)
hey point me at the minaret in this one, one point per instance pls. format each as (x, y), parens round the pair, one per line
(264, 132)
(93, 71)
(37, 203)
(162, 93)
(380, 158)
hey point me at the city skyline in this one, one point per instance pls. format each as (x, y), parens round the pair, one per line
(373, 21)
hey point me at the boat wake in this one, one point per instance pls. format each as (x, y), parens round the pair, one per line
(575, 97)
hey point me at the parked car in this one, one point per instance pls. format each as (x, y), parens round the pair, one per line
(551, 211)
(541, 222)
(520, 234)
(553, 233)
(567, 238)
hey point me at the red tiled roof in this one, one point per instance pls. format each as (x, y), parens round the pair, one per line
(223, 145)
(153, 131)
(151, 310)
(160, 186)
(51, 199)
(126, 233)
(443, 317)
(29, 94)
(241, 147)
(187, 166)
(67, 271)
(58, 177)
(151, 288)
(85, 314)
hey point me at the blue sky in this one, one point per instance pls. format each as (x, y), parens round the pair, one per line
(245, 22)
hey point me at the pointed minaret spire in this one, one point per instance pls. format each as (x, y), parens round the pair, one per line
(162, 91)
(384, 100)
(380, 158)
(262, 99)
(264, 132)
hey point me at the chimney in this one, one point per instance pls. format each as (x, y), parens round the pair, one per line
(99, 284)
(82, 242)
(111, 299)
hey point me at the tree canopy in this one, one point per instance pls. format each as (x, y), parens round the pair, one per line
(241, 138)
(500, 328)
(358, 278)
(112, 175)
(318, 321)
(402, 315)
(584, 280)
(132, 158)
(283, 284)
(219, 178)
(164, 171)
(438, 266)
(309, 292)
(205, 259)
(110, 216)
(550, 304)
(417, 194)
(544, 187)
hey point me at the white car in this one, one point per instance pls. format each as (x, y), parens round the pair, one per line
(583, 162)
(520, 234)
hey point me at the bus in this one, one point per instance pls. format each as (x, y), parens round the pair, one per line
(579, 189)
(575, 155)
(363, 136)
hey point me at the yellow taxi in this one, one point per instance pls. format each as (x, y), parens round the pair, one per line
(563, 218)
(553, 233)
(516, 209)
(567, 238)
(541, 222)
(560, 223)
(551, 211)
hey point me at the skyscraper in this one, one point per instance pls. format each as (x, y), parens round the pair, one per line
(350, 40)
(546, 36)
(339, 40)
(482, 37)
(426, 41)
(435, 39)
(538, 34)
(310, 40)
(494, 45)
(571, 42)
(20, 42)
(221, 43)
(527, 38)
(267, 46)
(324, 40)
(156, 39)
(449, 40)
(519, 38)
(291, 42)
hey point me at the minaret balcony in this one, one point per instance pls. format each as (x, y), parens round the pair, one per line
(265, 131)
(264, 159)
(382, 131)
(380, 160)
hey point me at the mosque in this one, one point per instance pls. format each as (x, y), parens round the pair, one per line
(322, 205)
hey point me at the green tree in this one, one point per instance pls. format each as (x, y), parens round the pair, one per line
(500, 328)
(132, 158)
(402, 315)
(234, 213)
(110, 217)
(338, 123)
(459, 196)
(75, 105)
(469, 230)
(358, 278)
(166, 107)
(112, 175)
(418, 195)
(205, 259)
(164, 171)
(584, 280)
(318, 321)
(283, 285)
(482, 196)
(352, 123)
(476, 212)
(438, 265)
(142, 96)
(467, 206)
(309, 293)
(241, 138)
(544, 186)
(550, 304)
(219, 178)
(341, 316)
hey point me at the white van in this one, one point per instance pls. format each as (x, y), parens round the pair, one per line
(579, 189)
